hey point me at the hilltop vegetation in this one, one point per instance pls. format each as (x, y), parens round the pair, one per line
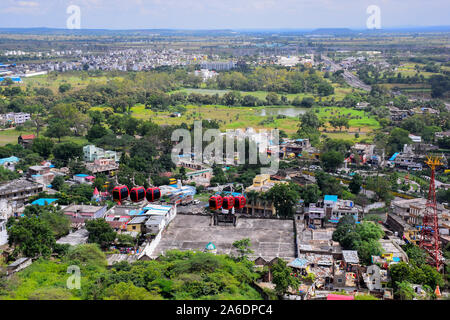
(177, 275)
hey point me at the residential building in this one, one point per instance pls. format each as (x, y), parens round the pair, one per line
(83, 178)
(154, 224)
(75, 238)
(137, 224)
(18, 265)
(92, 153)
(26, 140)
(85, 212)
(3, 232)
(15, 118)
(40, 174)
(412, 211)
(19, 190)
(118, 223)
(9, 163)
(106, 166)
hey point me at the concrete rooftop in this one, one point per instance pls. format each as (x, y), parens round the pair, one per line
(269, 238)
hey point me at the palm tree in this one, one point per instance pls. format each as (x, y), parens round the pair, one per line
(252, 197)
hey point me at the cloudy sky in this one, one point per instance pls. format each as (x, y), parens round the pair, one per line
(222, 14)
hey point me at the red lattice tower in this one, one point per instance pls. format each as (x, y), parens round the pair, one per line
(429, 236)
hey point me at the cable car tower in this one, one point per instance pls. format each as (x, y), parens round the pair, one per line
(429, 236)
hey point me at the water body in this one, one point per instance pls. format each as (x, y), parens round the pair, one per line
(288, 112)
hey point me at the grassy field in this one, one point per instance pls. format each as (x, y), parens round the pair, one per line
(53, 82)
(359, 120)
(408, 69)
(244, 117)
(11, 135)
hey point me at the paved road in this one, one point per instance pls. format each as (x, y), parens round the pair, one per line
(349, 77)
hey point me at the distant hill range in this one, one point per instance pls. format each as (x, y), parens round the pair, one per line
(222, 32)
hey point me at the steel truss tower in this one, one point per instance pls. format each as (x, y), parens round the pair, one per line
(429, 236)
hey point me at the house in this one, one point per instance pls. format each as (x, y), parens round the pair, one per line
(75, 238)
(407, 159)
(362, 153)
(137, 224)
(19, 190)
(40, 174)
(15, 118)
(346, 272)
(295, 147)
(106, 166)
(92, 153)
(415, 139)
(315, 215)
(362, 105)
(261, 183)
(118, 223)
(18, 265)
(412, 211)
(26, 140)
(397, 115)
(83, 178)
(9, 163)
(442, 134)
(3, 232)
(154, 224)
(85, 212)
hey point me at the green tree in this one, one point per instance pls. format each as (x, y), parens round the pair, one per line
(405, 291)
(128, 291)
(243, 247)
(310, 194)
(331, 160)
(31, 237)
(397, 138)
(284, 197)
(282, 277)
(355, 184)
(65, 87)
(43, 146)
(100, 232)
(58, 128)
(67, 151)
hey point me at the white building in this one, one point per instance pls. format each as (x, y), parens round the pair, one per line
(92, 153)
(3, 232)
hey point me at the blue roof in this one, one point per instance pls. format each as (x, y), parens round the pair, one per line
(394, 156)
(43, 201)
(10, 159)
(81, 175)
(299, 263)
(330, 198)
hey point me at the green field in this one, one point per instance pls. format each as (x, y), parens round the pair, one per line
(244, 117)
(11, 135)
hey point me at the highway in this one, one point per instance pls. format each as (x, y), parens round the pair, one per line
(349, 77)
